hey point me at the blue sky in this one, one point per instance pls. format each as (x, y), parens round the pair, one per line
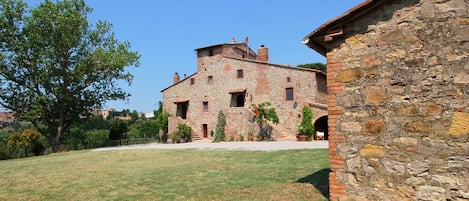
(165, 33)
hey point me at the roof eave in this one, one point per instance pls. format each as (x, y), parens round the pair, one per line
(321, 32)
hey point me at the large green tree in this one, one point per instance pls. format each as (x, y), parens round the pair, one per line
(56, 66)
(318, 66)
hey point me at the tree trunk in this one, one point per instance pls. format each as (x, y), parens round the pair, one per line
(26, 151)
(55, 139)
(54, 143)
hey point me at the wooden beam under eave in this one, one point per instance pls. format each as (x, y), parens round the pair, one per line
(335, 33)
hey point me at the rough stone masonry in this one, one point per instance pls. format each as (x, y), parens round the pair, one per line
(398, 102)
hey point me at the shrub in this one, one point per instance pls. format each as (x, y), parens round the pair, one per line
(220, 130)
(4, 151)
(118, 130)
(24, 140)
(38, 149)
(183, 132)
(265, 114)
(306, 125)
(76, 138)
(97, 138)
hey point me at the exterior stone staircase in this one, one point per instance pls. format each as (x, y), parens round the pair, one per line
(173, 122)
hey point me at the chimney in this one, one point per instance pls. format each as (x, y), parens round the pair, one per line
(263, 53)
(175, 78)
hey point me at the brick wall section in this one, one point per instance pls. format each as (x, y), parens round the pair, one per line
(336, 187)
(398, 84)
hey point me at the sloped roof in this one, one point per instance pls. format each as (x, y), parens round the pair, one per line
(220, 44)
(317, 40)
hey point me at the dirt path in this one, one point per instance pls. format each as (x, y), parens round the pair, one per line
(256, 146)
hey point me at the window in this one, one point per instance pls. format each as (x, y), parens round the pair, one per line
(181, 109)
(289, 94)
(237, 99)
(288, 79)
(210, 79)
(205, 105)
(210, 53)
(192, 81)
(321, 83)
(240, 73)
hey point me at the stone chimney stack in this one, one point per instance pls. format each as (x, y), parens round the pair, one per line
(176, 78)
(263, 53)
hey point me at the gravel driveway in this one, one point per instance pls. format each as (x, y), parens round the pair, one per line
(208, 145)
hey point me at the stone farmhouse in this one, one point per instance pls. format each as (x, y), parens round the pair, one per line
(231, 78)
(7, 117)
(103, 113)
(398, 100)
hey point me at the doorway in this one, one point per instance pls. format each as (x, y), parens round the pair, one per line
(205, 130)
(321, 129)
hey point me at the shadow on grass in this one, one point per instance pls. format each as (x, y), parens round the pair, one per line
(320, 180)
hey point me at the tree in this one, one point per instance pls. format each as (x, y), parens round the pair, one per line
(264, 114)
(319, 66)
(118, 130)
(220, 130)
(55, 66)
(143, 128)
(162, 123)
(24, 140)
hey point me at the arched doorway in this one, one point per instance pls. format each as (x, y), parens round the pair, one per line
(321, 129)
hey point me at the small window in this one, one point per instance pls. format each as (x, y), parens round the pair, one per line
(289, 93)
(210, 53)
(321, 83)
(205, 105)
(192, 81)
(288, 79)
(210, 79)
(240, 73)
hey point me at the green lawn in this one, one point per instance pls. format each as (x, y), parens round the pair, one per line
(167, 175)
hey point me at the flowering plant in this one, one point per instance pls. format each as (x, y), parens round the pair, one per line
(306, 126)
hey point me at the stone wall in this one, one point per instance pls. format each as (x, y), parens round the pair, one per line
(239, 122)
(398, 103)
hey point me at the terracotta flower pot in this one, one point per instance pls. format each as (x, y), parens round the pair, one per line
(301, 137)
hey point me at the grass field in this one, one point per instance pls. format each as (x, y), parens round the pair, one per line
(168, 175)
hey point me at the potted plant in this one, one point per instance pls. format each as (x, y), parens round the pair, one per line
(306, 128)
(250, 135)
